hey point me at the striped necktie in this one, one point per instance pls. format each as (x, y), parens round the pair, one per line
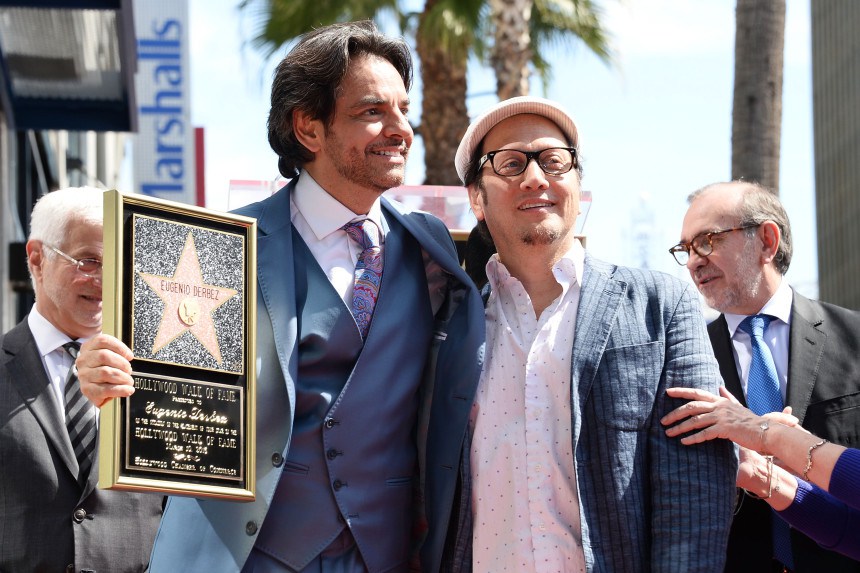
(80, 418)
(368, 272)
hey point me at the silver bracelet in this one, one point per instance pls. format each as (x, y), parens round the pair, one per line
(809, 458)
(764, 426)
(770, 489)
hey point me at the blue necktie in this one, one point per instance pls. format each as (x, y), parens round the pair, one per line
(763, 396)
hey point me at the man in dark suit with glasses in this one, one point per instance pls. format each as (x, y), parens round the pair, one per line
(776, 348)
(54, 516)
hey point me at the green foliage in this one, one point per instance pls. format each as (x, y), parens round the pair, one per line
(460, 26)
(453, 24)
(561, 24)
(281, 21)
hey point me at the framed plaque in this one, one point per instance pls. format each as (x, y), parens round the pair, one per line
(179, 290)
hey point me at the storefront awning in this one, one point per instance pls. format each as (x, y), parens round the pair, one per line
(68, 64)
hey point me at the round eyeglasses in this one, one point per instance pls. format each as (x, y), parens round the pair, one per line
(702, 245)
(512, 162)
(87, 267)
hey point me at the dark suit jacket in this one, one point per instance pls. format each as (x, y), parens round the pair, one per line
(824, 393)
(47, 521)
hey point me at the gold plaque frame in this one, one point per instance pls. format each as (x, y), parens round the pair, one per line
(179, 289)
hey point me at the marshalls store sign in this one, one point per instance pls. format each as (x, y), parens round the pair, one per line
(164, 146)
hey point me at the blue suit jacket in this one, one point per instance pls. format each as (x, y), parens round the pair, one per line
(212, 535)
(647, 502)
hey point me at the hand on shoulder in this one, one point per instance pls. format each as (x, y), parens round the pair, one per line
(719, 417)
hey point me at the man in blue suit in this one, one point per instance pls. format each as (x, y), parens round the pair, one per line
(570, 469)
(364, 384)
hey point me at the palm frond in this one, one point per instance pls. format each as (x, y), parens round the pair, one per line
(559, 25)
(452, 24)
(280, 21)
(565, 23)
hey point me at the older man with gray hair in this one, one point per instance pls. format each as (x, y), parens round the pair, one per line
(54, 516)
(775, 347)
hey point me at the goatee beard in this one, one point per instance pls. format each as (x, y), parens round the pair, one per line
(541, 236)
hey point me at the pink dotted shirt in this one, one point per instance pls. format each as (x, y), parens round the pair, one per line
(524, 497)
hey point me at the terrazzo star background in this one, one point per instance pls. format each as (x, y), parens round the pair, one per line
(188, 295)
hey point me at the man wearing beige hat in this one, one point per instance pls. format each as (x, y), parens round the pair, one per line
(570, 468)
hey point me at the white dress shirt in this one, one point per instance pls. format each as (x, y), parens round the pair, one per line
(776, 337)
(57, 362)
(524, 498)
(319, 218)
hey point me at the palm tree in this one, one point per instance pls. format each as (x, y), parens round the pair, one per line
(444, 37)
(523, 29)
(446, 32)
(511, 52)
(281, 21)
(757, 106)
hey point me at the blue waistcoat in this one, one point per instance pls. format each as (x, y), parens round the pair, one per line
(352, 458)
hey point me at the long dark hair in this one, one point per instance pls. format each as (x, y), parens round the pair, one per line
(308, 79)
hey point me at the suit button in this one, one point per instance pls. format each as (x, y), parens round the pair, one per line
(251, 528)
(338, 484)
(332, 454)
(79, 515)
(277, 460)
(330, 422)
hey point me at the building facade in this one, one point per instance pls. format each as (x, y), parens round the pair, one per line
(836, 118)
(66, 106)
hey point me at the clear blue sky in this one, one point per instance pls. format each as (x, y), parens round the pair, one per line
(654, 128)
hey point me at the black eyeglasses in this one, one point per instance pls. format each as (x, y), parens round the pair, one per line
(703, 244)
(87, 267)
(512, 162)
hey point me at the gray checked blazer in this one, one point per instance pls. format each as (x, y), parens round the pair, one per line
(647, 502)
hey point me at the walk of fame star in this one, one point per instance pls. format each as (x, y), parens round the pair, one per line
(188, 302)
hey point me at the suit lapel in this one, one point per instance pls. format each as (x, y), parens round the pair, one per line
(806, 343)
(276, 275)
(418, 227)
(718, 331)
(27, 374)
(599, 301)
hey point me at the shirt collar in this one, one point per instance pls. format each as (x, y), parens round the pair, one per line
(778, 306)
(325, 214)
(48, 337)
(568, 269)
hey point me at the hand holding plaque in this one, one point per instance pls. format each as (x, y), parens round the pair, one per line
(184, 286)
